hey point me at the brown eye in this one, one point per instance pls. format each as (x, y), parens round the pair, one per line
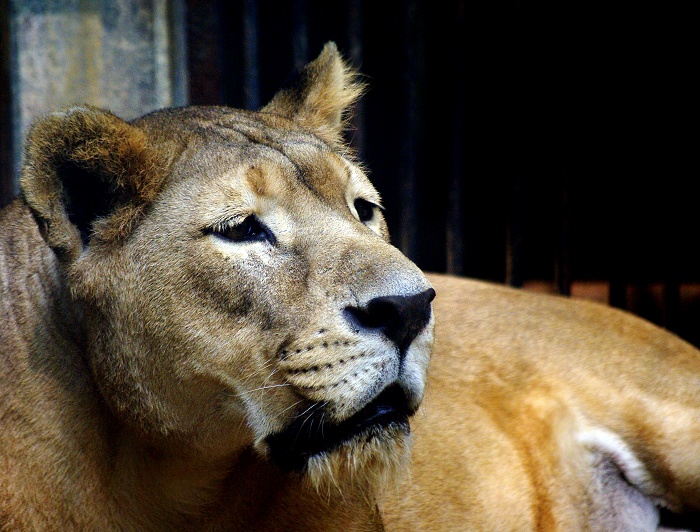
(249, 230)
(365, 210)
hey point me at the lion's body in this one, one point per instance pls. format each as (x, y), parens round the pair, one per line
(204, 327)
(528, 398)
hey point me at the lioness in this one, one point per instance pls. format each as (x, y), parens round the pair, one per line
(205, 327)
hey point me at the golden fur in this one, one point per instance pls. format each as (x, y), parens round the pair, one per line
(187, 295)
(547, 413)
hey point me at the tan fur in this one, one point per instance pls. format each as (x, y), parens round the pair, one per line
(147, 359)
(524, 393)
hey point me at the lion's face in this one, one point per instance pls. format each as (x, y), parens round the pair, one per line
(259, 291)
(252, 297)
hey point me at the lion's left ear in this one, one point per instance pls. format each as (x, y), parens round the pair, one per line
(320, 95)
(86, 174)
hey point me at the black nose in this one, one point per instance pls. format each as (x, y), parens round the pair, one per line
(399, 318)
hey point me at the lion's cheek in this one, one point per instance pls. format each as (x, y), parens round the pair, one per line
(164, 372)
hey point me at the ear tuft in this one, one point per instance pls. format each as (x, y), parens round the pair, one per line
(81, 165)
(320, 95)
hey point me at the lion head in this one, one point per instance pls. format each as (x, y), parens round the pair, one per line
(236, 278)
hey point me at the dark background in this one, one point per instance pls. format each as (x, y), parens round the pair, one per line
(513, 141)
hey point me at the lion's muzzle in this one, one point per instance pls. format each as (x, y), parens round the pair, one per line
(385, 327)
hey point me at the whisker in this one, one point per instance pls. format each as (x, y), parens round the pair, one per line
(313, 405)
(310, 416)
(292, 406)
(270, 386)
(274, 370)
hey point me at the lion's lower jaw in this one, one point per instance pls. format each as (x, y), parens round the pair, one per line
(368, 464)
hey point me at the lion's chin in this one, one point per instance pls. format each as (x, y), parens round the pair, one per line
(368, 464)
(369, 448)
(313, 435)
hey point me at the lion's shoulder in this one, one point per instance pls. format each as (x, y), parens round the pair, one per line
(22, 258)
(28, 271)
(46, 398)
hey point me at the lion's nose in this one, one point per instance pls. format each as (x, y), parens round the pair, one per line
(399, 318)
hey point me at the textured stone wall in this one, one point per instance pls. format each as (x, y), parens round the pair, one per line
(124, 55)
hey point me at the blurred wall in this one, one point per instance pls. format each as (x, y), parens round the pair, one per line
(127, 56)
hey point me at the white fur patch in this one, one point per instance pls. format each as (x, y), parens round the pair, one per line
(358, 186)
(609, 443)
(70, 111)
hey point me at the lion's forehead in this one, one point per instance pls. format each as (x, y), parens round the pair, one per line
(276, 169)
(221, 140)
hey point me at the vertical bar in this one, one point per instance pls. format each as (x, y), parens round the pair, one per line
(514, 242)
(354, 17)
(177, 22)
(409, 130)
(618, 290)
(672, 303)
(161, 56)
(229, 37)
(300, 34)
(672, 284)
(7, 174)
(454, 236)
(562, 266)
(251, 55)
(203, 53)
(619, 277)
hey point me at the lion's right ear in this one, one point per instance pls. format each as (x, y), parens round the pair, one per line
(86, 172)
(319, 95)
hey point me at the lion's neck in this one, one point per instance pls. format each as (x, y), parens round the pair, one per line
(168, 489)
(158, 488)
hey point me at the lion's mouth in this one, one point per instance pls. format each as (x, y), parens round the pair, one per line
(310, 435)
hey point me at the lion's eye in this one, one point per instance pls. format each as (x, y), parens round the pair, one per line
(249, 230)
(365, 210)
